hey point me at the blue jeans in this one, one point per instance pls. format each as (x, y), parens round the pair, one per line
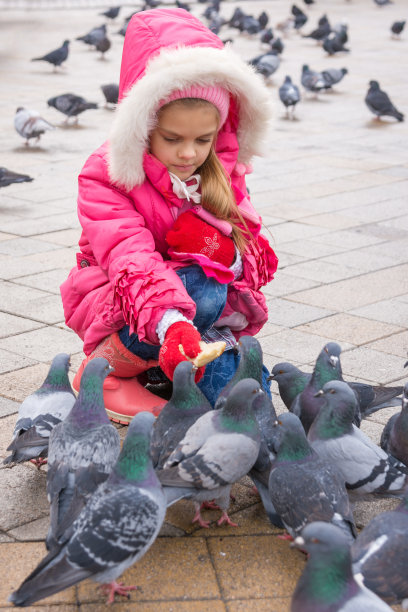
(210, 297)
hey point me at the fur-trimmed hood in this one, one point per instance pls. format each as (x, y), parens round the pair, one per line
(167, 50)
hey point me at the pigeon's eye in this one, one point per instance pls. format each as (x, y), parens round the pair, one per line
(314, 540)
(332, 391)
(281, 372)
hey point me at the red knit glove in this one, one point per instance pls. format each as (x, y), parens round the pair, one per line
(170, 356)
(190, 234)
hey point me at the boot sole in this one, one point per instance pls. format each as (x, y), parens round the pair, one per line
(124, 419)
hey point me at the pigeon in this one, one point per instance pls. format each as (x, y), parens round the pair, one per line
(56, 57)
(236, 18)
(71, 105)
(266, 64)
(323, 29)
(114, 530)
(82, 451)
(263, 20)
(103, 46)
(217, 450)
(111, 93)
(292, 381)
(380, 104)
(289, 95)
(383, 2)
(250, 25)
(335, 41)
(312, 80)
(277, 45)
(40, 412)
(327, 583)
(183, 5)
(29, 124)
(394, 437)
(185, 406)
(365, 467)
(300, 17)
(250, 366)
(93, 36)
(8, 177)
(397, 28)
(332, 76)
(266, 36)
(111, 13)
(309, 2)
(304, 487)
(380, 554)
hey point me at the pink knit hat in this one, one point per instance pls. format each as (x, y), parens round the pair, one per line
(216, 95)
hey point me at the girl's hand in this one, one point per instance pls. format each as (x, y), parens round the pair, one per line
(170, 356)
(190, 234)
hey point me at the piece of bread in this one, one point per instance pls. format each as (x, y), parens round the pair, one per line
(208, 353)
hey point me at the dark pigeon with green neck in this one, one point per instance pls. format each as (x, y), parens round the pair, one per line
(185, 406)
(365, 467)
(380, 554)
(291, 381)
(114, 530)
(327, 583)
(40, 412)
(303, 487)
(217, 450)
(250, 366)
(394, 438)
(82, 452)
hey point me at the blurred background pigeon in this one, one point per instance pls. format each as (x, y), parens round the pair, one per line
(56, 57)
(332, 76)
(29, 124)
(289, 95)
(397, 28)
(299, 16)
(71, 105)
(111, 13)
(380, 104)
(103, 46)
(94, 36)
(383, 2)
(111, 93)
(323, 29)
(266, 64)
(335, 41)
(8, 177)
(312, 80)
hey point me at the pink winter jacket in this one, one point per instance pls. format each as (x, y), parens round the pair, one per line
(126, 203)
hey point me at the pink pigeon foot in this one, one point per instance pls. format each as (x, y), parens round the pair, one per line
(39, 462)
(111, 588)
(285, 536)
(209, 505)
(226, 519)
(198, 518)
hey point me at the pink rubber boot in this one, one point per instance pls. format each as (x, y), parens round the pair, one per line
(123, 394)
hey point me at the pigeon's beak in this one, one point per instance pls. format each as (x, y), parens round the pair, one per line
(272, 376)
(298, 542)
(110, 369)
(333, 360)
(319, 393)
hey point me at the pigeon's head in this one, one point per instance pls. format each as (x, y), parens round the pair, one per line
(288, 79)
(289, 437)
(20, 108)
(305, 68)
(339, 392)
(332, 350)
(321, 536)
(65, 43)
(141, 423)
(374, 85)
(280, 369)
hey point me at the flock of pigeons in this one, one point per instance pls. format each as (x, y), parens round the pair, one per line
(333, 38)
(309, 465)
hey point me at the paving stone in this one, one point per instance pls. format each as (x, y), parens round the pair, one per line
(350, 328)
(11, 361)
(23, 558)
(32, 531)
(24, 496)
(269, 329)
(8, 407)
(321, 271)
(250, 558)
(210, 605)
(389, 311)
(365, 511)
(277, 604)
(286, 232)
(397, 344)
(43, 225)
(24, 246)
(284, 283)
(372, 365)
(356, 292)
(290, 314)
(18, 384)
(311, 249)
(42, 344)
(67, 237)
(46, 281)
(362, 260)
(11, 325)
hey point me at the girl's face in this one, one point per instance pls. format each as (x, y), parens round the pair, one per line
(183, 137)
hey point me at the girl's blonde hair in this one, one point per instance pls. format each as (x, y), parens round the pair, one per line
(216, 193)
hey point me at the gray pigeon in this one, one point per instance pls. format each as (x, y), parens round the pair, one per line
(217, 450)
(103, 46)
(70, 105)
(394, 438)
(250, 366)
(380, 554)
(8, 177)
(289, 95)
(185, 406)
(40, 412)
(365, 467)
(117, 526)
(56, 57)
(29, 124)
(266, 64)
(93, 36)
(335, 41)
(327, 583)
(380, 104)
(323, 29)
(82, 451)
(397, 28)
(111, 13)
(312, 80)
(334, 75)
(304, 487)
(111, 93)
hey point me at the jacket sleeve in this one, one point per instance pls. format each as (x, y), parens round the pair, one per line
(143, 284)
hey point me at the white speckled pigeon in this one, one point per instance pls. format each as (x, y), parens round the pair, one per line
(217, 450)
(365, 467)
(40, 412)
(82, 451)
(29, 124)
(327, 583)
(117, 526)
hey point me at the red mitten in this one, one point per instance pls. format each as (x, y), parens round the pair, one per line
(170, 356)
(190, 234)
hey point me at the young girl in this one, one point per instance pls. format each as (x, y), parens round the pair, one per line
(171, 250)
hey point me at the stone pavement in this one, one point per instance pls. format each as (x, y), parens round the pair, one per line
(332, 193)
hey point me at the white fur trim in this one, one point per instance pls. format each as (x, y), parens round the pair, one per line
(178, 68)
